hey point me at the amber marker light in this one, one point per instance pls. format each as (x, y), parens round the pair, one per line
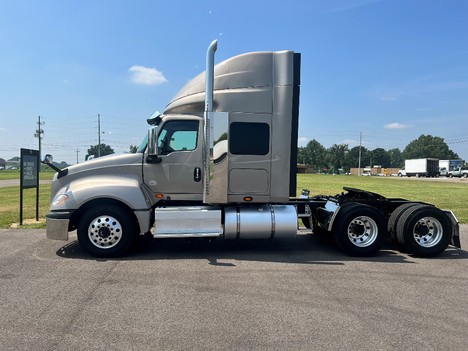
(248, 198)
(159, 196)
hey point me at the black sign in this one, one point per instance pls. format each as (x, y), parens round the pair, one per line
(29, 177)
(29, 168)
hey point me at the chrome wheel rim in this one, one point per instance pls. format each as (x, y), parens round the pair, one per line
(428, 232)
(105, 232)
(362, 231)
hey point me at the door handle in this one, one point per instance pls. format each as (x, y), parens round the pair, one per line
(197, 174)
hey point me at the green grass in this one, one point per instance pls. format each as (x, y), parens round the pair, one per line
(10, 201)
(448, 195)
(10, 205)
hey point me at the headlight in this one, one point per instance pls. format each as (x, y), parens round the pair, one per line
(60, 199)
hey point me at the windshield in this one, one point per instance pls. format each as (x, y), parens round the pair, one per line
(141, 149)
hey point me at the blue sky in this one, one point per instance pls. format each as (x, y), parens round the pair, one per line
(393, 69)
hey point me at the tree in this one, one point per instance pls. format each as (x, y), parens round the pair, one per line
(336, 156)
(133, 149)
(105, 150)
(396, 158)
(313, 154)
(301, 155)
(222, 137)
(352, 157)
(428, 146)
(380, 157)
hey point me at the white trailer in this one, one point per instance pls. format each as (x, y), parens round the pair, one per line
(421, 167)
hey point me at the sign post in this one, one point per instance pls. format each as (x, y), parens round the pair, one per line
(29, 178)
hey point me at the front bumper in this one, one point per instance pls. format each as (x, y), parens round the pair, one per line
(57, 225)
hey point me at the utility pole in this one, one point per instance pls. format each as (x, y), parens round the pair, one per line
(360, 145)
(77, 156)
(38, 134)
(99, 135)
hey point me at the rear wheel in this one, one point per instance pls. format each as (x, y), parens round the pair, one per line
(424, 230)
(359, 230)
(395, 216)
(465, 175)
(106, 231)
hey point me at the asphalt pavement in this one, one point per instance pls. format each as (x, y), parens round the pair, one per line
(299, 294)
(16, 182)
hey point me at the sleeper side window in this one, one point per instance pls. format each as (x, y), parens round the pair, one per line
(249, 138)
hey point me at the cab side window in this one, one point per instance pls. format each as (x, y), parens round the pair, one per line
(178, 136)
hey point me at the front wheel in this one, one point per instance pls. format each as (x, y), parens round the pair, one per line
(424, 230)
(106, 231)
(465, 175)
(359, 230)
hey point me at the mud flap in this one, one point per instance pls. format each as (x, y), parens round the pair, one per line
(455, 241)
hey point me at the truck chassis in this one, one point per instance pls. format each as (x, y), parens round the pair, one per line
(360, 222)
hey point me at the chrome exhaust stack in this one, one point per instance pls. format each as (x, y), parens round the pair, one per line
(209, 77)
(215, 163)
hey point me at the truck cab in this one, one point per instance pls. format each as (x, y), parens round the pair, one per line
(227, 139)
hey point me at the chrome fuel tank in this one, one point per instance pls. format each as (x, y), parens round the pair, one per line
(260, 222)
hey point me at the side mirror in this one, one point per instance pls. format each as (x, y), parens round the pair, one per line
(153, 146)
(48, 159)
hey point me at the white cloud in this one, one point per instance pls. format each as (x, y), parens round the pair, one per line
(302, 141)
(349, 142)
(146, 75)
(397, 126)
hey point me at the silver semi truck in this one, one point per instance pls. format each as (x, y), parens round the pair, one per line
(220, 162)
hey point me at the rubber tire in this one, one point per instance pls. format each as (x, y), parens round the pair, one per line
(345, 216)
(127, 223)
(408, 221)
(465, 175)
(394, 217)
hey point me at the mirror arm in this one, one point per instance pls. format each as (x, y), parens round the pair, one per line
(48, 161)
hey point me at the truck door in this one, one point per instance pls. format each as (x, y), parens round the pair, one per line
(178, 175)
